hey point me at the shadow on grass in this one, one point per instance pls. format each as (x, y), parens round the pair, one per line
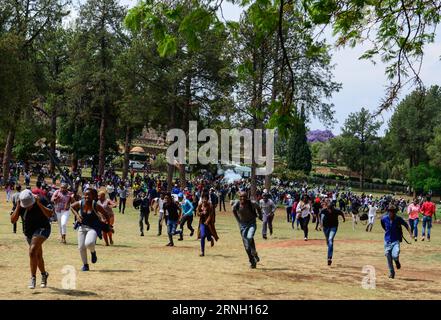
(419, 280)
(117, 246)
(221, 256)
(274, 269)
(72, 292)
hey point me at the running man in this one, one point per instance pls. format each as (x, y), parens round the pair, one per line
(268, 208)
(144, 211)
(329, 222)
(428, 210)
(187, 213)
(36, 227)
(173, 211)
(393, 235)
(160, 205)
(246, 211)
(372, 207)
(15, 201)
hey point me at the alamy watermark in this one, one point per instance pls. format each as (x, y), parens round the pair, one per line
(69, 280)
(369, 280)
(209, 151)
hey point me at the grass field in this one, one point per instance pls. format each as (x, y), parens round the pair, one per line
(290, 268)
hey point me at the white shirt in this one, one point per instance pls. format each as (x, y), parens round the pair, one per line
(372, 210)
(110, 189)
(303, 209)
(160, 203)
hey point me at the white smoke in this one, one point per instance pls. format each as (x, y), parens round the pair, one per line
(230, 176)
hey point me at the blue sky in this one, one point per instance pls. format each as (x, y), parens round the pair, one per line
(363, 83)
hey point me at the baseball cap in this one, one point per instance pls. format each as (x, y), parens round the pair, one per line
(26, 199)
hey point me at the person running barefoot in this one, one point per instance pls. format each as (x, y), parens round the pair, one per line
(206, 229)
(62, 198)
(329, 223)
(37, 229)
(246, 211)
(90, 220)
(108, 206)
(393, 235)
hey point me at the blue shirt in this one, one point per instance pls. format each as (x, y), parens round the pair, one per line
(392, 228)
(176, 190)
(187, 207)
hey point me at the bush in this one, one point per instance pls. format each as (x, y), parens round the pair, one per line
(287, 174)
(118, 161)
(160, 163)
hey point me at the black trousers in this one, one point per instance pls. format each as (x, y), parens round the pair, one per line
(304, 224)
(144, 217)
(187, 219)
(222, 202)
(122, 203)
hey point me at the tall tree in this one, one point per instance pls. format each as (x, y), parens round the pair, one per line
(358, 143)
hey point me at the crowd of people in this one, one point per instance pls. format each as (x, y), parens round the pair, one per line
(92, 201)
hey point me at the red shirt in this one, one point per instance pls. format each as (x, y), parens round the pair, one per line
(39, 192)
(428, 208)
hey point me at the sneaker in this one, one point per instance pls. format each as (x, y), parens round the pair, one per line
(85, 268)
(202, 255)
(169, 244)
(391, 276)
(306, 239)
(94, 257)
(329, 262)
(256, 258)
(398, 264)
(253, 265)
(33, 282)
(142, 234)
(181, 237)
(191, 233)
(264, 237)
(148, 227)
(44, 277)
(416, 239)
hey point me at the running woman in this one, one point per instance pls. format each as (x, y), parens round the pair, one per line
(413, 211)
(304, 214)
(372, 207)
(187, 213)
(90, 218)
(288, 203)
(246, 211)
(37, 229)
(393, 235)
(329, 222)
(173, 212)
(160, 205)
(206, 229)
(62, 199)
(108, 206)
(428, 210)
(268, 208)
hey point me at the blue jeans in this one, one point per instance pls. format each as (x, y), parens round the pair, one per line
(392, 252)
(247, 231)
(172, 226)
(330, 233)
(205, 233)
(427, 221)
(413, 223)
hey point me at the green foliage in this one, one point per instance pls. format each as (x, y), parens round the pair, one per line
(160, 163)
(284, 173)
(298, 154)
(425, 178)
(434, 148)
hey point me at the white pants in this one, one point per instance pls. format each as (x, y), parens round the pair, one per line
(86, 240)
(62, 218)
(371, 219)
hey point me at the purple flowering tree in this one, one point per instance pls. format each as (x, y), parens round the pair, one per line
(319, 135)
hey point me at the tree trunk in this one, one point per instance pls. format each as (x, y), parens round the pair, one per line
(8, 153)
(126, 153)
(53, 140)
(170, 172)
(102, 154)
(74, 161)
